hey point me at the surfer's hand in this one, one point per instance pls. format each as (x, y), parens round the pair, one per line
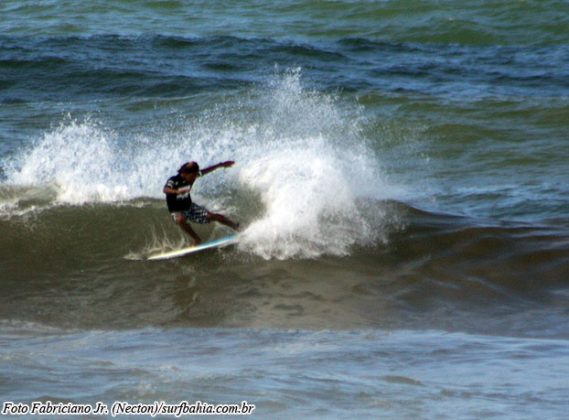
(227, 164)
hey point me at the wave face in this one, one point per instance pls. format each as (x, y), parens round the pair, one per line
(80, 267)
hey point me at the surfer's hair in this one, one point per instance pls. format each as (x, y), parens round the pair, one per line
(189, 168)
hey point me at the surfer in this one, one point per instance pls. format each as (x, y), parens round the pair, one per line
(180, 204)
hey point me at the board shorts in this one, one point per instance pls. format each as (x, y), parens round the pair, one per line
(195, 213)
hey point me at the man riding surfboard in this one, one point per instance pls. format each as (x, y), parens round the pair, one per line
(180, 204)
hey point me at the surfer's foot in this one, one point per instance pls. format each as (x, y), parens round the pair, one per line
(236, 227)
(196, 242)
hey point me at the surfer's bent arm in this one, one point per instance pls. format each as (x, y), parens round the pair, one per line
(168, 190)
(175, 191)
(212, 168)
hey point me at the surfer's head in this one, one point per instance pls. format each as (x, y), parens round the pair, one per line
(189, 168)
(189, 171)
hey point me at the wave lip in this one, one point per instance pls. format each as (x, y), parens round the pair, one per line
(78, 159)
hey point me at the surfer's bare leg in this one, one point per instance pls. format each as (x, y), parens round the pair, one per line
(223, 220)
(181, 221)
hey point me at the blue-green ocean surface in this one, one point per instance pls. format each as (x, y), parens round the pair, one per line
(401, 181)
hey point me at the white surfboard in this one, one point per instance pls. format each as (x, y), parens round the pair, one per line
(216, 243)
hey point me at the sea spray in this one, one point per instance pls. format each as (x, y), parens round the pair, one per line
(315, 176)
(310, 203)
(305, 182)
(78, 159)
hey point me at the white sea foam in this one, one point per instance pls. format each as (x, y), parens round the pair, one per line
(315, 176)
(298, 152)
(310, 196)
(86, 163)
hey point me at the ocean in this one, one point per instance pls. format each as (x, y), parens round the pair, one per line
(401, 180)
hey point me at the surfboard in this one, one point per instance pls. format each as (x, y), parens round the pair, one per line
(216, 243)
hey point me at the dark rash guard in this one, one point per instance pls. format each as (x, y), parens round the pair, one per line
(178, 202)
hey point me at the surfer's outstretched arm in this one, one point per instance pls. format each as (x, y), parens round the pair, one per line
(212, 168)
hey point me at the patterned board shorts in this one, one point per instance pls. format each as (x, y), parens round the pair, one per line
(195, 213)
